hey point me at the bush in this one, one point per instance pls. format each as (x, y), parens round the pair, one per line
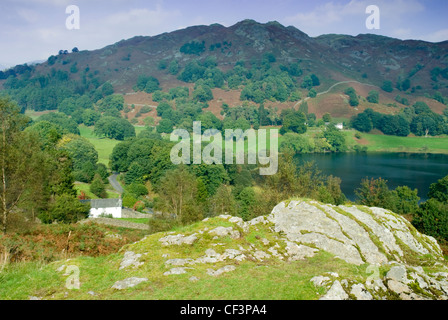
(129, 201)
(432, 219)
(373, 96)
(161, 224)
(137, 189)
(65, 209)
(97, 187)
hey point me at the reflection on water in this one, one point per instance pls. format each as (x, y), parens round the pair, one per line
(417, 171)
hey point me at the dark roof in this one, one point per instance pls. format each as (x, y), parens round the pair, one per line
(105, 203)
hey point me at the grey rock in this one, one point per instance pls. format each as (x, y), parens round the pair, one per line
(398, 273)
(176, 271)
(336, 292)
(130, 259)
(222, 232)
(397, 287)
(320, 281)
(220, 271)
(360, 292)
(261, 255)
(178, 239)
(128, 283)
(299, 252)
(376, 285)
(179, 262)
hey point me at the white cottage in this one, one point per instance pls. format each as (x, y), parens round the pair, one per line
(106, 207)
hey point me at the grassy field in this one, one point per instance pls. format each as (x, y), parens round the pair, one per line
(104, 146)
(80, 186)
(378, 142)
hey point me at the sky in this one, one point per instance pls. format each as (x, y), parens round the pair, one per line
(33, 30)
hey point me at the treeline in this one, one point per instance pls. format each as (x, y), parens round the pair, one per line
(41, 92)
(189, 193)
(260, 80)
(36, 172)
(429, 217)
(418, 119)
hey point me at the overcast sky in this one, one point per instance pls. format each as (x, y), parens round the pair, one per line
(35, 29)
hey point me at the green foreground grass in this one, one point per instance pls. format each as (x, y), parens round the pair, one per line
(271, 279)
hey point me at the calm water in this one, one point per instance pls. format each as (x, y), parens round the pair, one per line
(417, 171)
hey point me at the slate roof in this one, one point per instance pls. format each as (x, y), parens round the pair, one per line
(104, 203)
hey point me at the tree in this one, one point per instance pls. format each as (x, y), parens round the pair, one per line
(387, 86)
(62, 120)
(173, 68)
(294, 123)
(353, 97)
(114, 128)
(178, 195)
(80, 150)
(65, 209)
(432, 219)
(21, 161)
(373, 96)
(107, 89)
(406, 201)
(202, 93)
(223, 201)
(97, 187)
(439, 190)
(162, 108)
(336, 139)
(48, 133)
(165, 126)
(246, 200)
(375, 193)
(315, 80)
(90, 117)
(327, 117)
(362, 122)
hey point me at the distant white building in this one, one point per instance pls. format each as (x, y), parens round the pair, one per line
(339, 126)
(106, 207)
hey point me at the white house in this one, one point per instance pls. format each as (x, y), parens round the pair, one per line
(106, 207)
(339, 126)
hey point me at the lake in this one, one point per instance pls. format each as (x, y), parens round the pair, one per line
(417, 171)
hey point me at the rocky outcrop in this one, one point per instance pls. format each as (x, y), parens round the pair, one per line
(385, 245)
(357, 235)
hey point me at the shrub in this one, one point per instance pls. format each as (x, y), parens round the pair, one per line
(432, 219)
(97, 187)
(65, 209)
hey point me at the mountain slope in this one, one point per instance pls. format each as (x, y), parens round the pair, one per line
(367, 59)
(335, 57)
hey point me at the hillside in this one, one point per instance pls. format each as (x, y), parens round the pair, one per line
(303, 250)
(368, 59)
